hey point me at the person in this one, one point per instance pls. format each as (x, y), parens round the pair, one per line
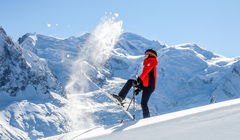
(146, 82)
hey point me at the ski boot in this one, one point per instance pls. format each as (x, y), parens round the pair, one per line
(120, 99)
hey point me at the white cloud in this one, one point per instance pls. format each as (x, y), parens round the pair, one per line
(68, 25)
(116, 14)
(49, 25)
(56, 24)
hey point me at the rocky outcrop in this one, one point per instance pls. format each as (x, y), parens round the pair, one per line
(16, 73)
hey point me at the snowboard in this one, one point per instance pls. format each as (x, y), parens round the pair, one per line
(109, 95)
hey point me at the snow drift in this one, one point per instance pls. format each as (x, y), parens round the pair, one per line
(216, 121)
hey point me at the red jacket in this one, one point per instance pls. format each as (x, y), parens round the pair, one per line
(149, 74)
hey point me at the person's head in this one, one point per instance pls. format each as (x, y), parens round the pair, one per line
(150, 53)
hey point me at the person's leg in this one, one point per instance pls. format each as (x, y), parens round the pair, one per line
(123, 93)
(144, 102)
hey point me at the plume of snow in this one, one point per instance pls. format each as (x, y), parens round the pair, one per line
(91, 59)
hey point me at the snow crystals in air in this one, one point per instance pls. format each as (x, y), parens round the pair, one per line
(92, 57)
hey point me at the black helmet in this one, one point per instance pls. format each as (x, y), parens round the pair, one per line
(152, 52)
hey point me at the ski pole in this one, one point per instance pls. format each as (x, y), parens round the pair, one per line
(127, 110)
(133, 103)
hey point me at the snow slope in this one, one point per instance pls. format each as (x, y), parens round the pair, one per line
(219, 121)
(31, 117)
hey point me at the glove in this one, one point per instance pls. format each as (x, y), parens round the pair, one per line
(137, 82)
(136, 92)
(134, 84)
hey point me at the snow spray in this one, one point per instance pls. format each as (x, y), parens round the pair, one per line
(91, 61)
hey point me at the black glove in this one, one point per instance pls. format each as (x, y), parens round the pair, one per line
(136, 92)
(137, 82)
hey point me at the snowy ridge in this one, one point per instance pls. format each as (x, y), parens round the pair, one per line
(215, 121)
(57, 52)
(20, 68)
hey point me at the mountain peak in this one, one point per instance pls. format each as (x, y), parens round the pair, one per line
(21, 39)
(2, 31)
(197, 50)
(132, 36)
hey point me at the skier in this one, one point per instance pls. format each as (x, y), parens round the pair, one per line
(146, 82)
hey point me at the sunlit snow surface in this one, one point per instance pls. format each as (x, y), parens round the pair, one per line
(219, 121)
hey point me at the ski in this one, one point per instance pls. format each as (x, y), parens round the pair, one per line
(109, 95)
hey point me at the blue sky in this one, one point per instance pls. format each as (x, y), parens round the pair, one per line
(212, 24)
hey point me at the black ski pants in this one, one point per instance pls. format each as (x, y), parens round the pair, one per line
(147, 91)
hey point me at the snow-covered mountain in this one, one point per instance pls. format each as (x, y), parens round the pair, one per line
(30, 95)
(38, 69)
(56, 52)
(20, 69)
(188, 75)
